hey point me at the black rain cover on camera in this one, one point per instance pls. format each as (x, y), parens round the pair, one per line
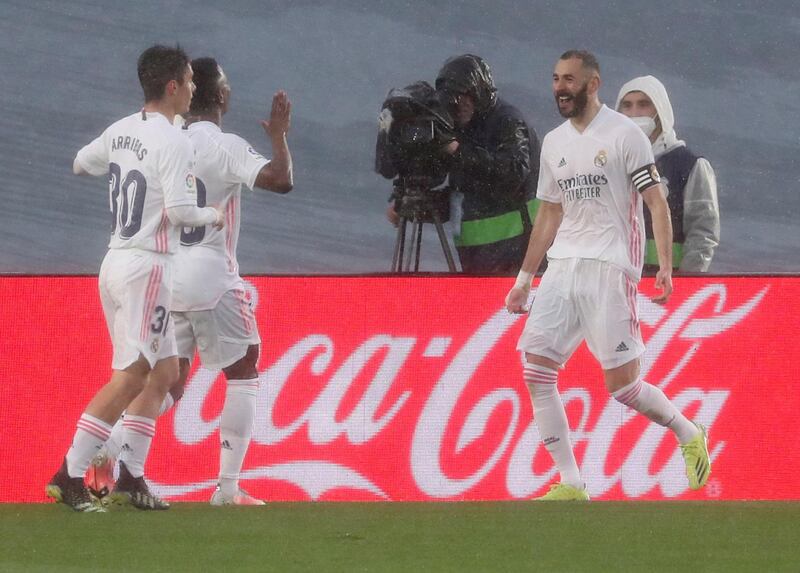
(414, 126)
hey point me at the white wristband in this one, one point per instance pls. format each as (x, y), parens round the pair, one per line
(523, 280)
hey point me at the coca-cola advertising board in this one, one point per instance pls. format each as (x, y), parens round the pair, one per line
(410, 389)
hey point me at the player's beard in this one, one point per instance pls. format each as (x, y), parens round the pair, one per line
(579, 102)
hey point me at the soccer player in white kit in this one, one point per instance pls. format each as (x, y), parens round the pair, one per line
(212, 312)
(152, 192)
(596, 168)
(212, 309)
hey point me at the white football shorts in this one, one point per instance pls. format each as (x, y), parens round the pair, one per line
(581, 299)
(220, 335)
(136, 293)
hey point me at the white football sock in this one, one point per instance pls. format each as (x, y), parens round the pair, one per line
(235, 431)
(653, 403)
(137, 437)
(551, 419)
(89, 438)
(115, 440)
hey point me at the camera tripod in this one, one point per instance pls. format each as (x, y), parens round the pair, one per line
(420, 205)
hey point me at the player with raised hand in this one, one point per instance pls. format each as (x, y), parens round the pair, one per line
(597, 169)
(152, 193)
(212, 311)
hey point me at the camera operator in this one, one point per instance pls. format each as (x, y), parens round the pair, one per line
(494, 164)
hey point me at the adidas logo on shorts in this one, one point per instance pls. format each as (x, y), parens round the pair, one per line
(621, 347)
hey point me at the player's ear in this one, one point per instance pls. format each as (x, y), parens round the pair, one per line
(172, 87)
(594, 83)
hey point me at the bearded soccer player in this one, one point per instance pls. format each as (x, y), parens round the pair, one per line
(596, 169)
(212, 311)
(152, 193)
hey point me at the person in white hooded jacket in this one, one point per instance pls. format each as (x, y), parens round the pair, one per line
(689, 179)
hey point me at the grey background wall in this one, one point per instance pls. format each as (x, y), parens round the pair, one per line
(67, 69)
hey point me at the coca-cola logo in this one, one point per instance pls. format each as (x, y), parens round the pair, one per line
(452, 410)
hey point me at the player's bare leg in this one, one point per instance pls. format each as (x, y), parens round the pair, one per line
(124, 386)
(139, 428)
(627, 387)
(541, 376)
(236, 429)
(161, 379)
(176, 392)
(113, 446)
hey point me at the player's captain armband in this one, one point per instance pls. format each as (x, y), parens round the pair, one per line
(645, 177)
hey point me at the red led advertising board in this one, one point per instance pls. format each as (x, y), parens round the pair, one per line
(410, 389)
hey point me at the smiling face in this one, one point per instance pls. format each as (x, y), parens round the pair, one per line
(572, 86)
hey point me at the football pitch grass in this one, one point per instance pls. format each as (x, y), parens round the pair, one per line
(408, 537)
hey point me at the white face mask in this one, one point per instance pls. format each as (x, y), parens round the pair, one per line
(646, 124)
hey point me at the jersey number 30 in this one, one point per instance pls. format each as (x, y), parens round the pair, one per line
(127, 200)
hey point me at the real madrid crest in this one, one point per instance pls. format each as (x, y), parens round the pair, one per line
(154, 346)
(601, 158)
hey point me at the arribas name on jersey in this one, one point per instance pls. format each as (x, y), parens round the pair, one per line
(130, 143)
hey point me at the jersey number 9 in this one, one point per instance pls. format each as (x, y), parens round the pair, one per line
(194, 235)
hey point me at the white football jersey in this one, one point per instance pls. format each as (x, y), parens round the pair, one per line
(149, 166)
(206, 265)
(591, 174)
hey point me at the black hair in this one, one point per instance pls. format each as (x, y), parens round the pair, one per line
(588, 59)
(157, 66)
(206, 81)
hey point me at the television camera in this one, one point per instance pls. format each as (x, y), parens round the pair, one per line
(414, 128)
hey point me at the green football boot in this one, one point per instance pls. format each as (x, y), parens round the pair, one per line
(695, 454)
(564, 492)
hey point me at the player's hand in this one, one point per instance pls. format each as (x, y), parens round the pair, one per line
(516, 300)
(392, 215)
(664, 284)
(219, 223)
(279, 117)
